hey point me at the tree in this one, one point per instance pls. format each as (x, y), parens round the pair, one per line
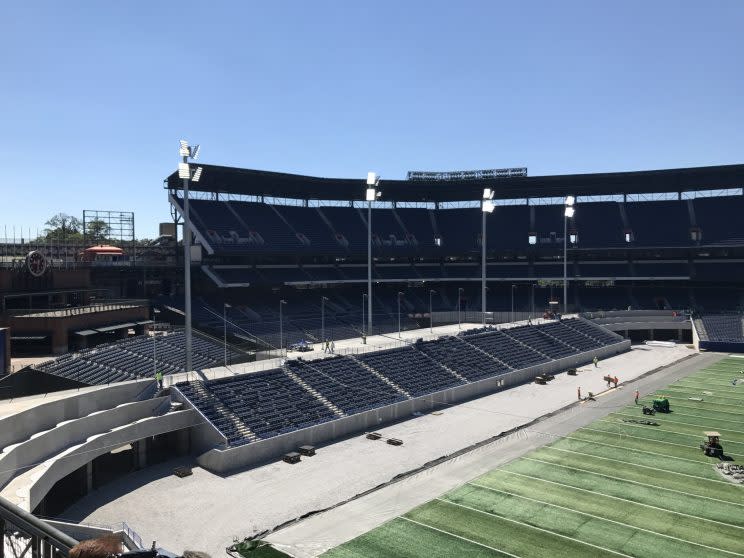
(63, 227)
(98, 231)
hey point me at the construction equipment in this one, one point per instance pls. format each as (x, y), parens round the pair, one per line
(661, 404)
(648, 411)
(712, 446)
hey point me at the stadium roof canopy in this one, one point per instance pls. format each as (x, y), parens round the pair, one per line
(229, 180)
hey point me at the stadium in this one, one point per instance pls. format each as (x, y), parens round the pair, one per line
(442, 365)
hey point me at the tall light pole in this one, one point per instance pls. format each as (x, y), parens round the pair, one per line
(400, 294)
(155, 313)
(371, 195)
(486, 207)
(568, 211)
(281, 325)
(512, 302)
(431, 315)
(322, 318)
(184, 172)
(364, 324)
(459, 302)
(225, 306)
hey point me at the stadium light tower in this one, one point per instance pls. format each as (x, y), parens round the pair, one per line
(372, 194)
(322, 319)
(431, 315)
(281, 325)
(364, 324)
(568, 211)
(400, 294)
(225, 306)
(185, 173)
(486, 207)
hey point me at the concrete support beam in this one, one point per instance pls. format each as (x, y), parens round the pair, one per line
(88, 477)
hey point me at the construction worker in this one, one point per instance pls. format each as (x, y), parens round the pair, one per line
(615, 381)
(637, 395)
(327, 346)
(333, 346)
(159, 379)
(578, 392)
(595, 360)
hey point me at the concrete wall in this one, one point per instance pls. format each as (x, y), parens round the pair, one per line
(223, 460)
(45, 444)
(77, 456)
(20, 426)
(60, 327)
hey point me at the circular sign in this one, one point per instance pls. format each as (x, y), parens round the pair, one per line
(36, 263)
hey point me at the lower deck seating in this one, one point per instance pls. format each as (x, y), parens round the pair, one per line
(411, 370)
(310, 392)
(342, 380)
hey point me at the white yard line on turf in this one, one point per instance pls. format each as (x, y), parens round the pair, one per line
(535, 527)
(696, 436)
(635, 450)
(676, 414)
(458, 536)
(623, 434)
(633, 482)
(606, 519)
(727, 483)
(602, 494)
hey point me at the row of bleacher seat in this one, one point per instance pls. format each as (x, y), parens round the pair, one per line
(246, 227)
(728, 328)
(131, 359)
(308, 392)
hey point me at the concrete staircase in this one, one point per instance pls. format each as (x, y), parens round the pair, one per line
(385, 379)
(315, 393)
(223, 410)
(481, 351)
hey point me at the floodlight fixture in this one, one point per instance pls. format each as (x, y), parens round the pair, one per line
(570, 210)
(184, 171)
(183, 149)
(487, 206)
(488, 194)
(195, 152)
(570, 200)
(197, 174)
(372, 179)
(371, 194)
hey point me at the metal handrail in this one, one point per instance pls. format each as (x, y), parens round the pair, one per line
(35, 527)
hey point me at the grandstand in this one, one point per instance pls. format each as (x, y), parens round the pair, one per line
(136, 358)
(304, 393)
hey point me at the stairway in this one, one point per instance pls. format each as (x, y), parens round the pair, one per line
(385, 379)
(489, 355)
(223, 410)
(315, 393)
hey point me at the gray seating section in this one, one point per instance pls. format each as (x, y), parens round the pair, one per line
(723, 327)
(345, 382)
(506, 349)
(460, 357)
(411, 370)
(131, 359)
(309, 392)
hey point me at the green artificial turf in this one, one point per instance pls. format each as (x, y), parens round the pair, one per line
(613, 488)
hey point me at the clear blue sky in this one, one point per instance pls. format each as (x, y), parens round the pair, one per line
(95, 95)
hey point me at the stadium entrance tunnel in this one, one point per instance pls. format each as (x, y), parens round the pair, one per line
(110, 467)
